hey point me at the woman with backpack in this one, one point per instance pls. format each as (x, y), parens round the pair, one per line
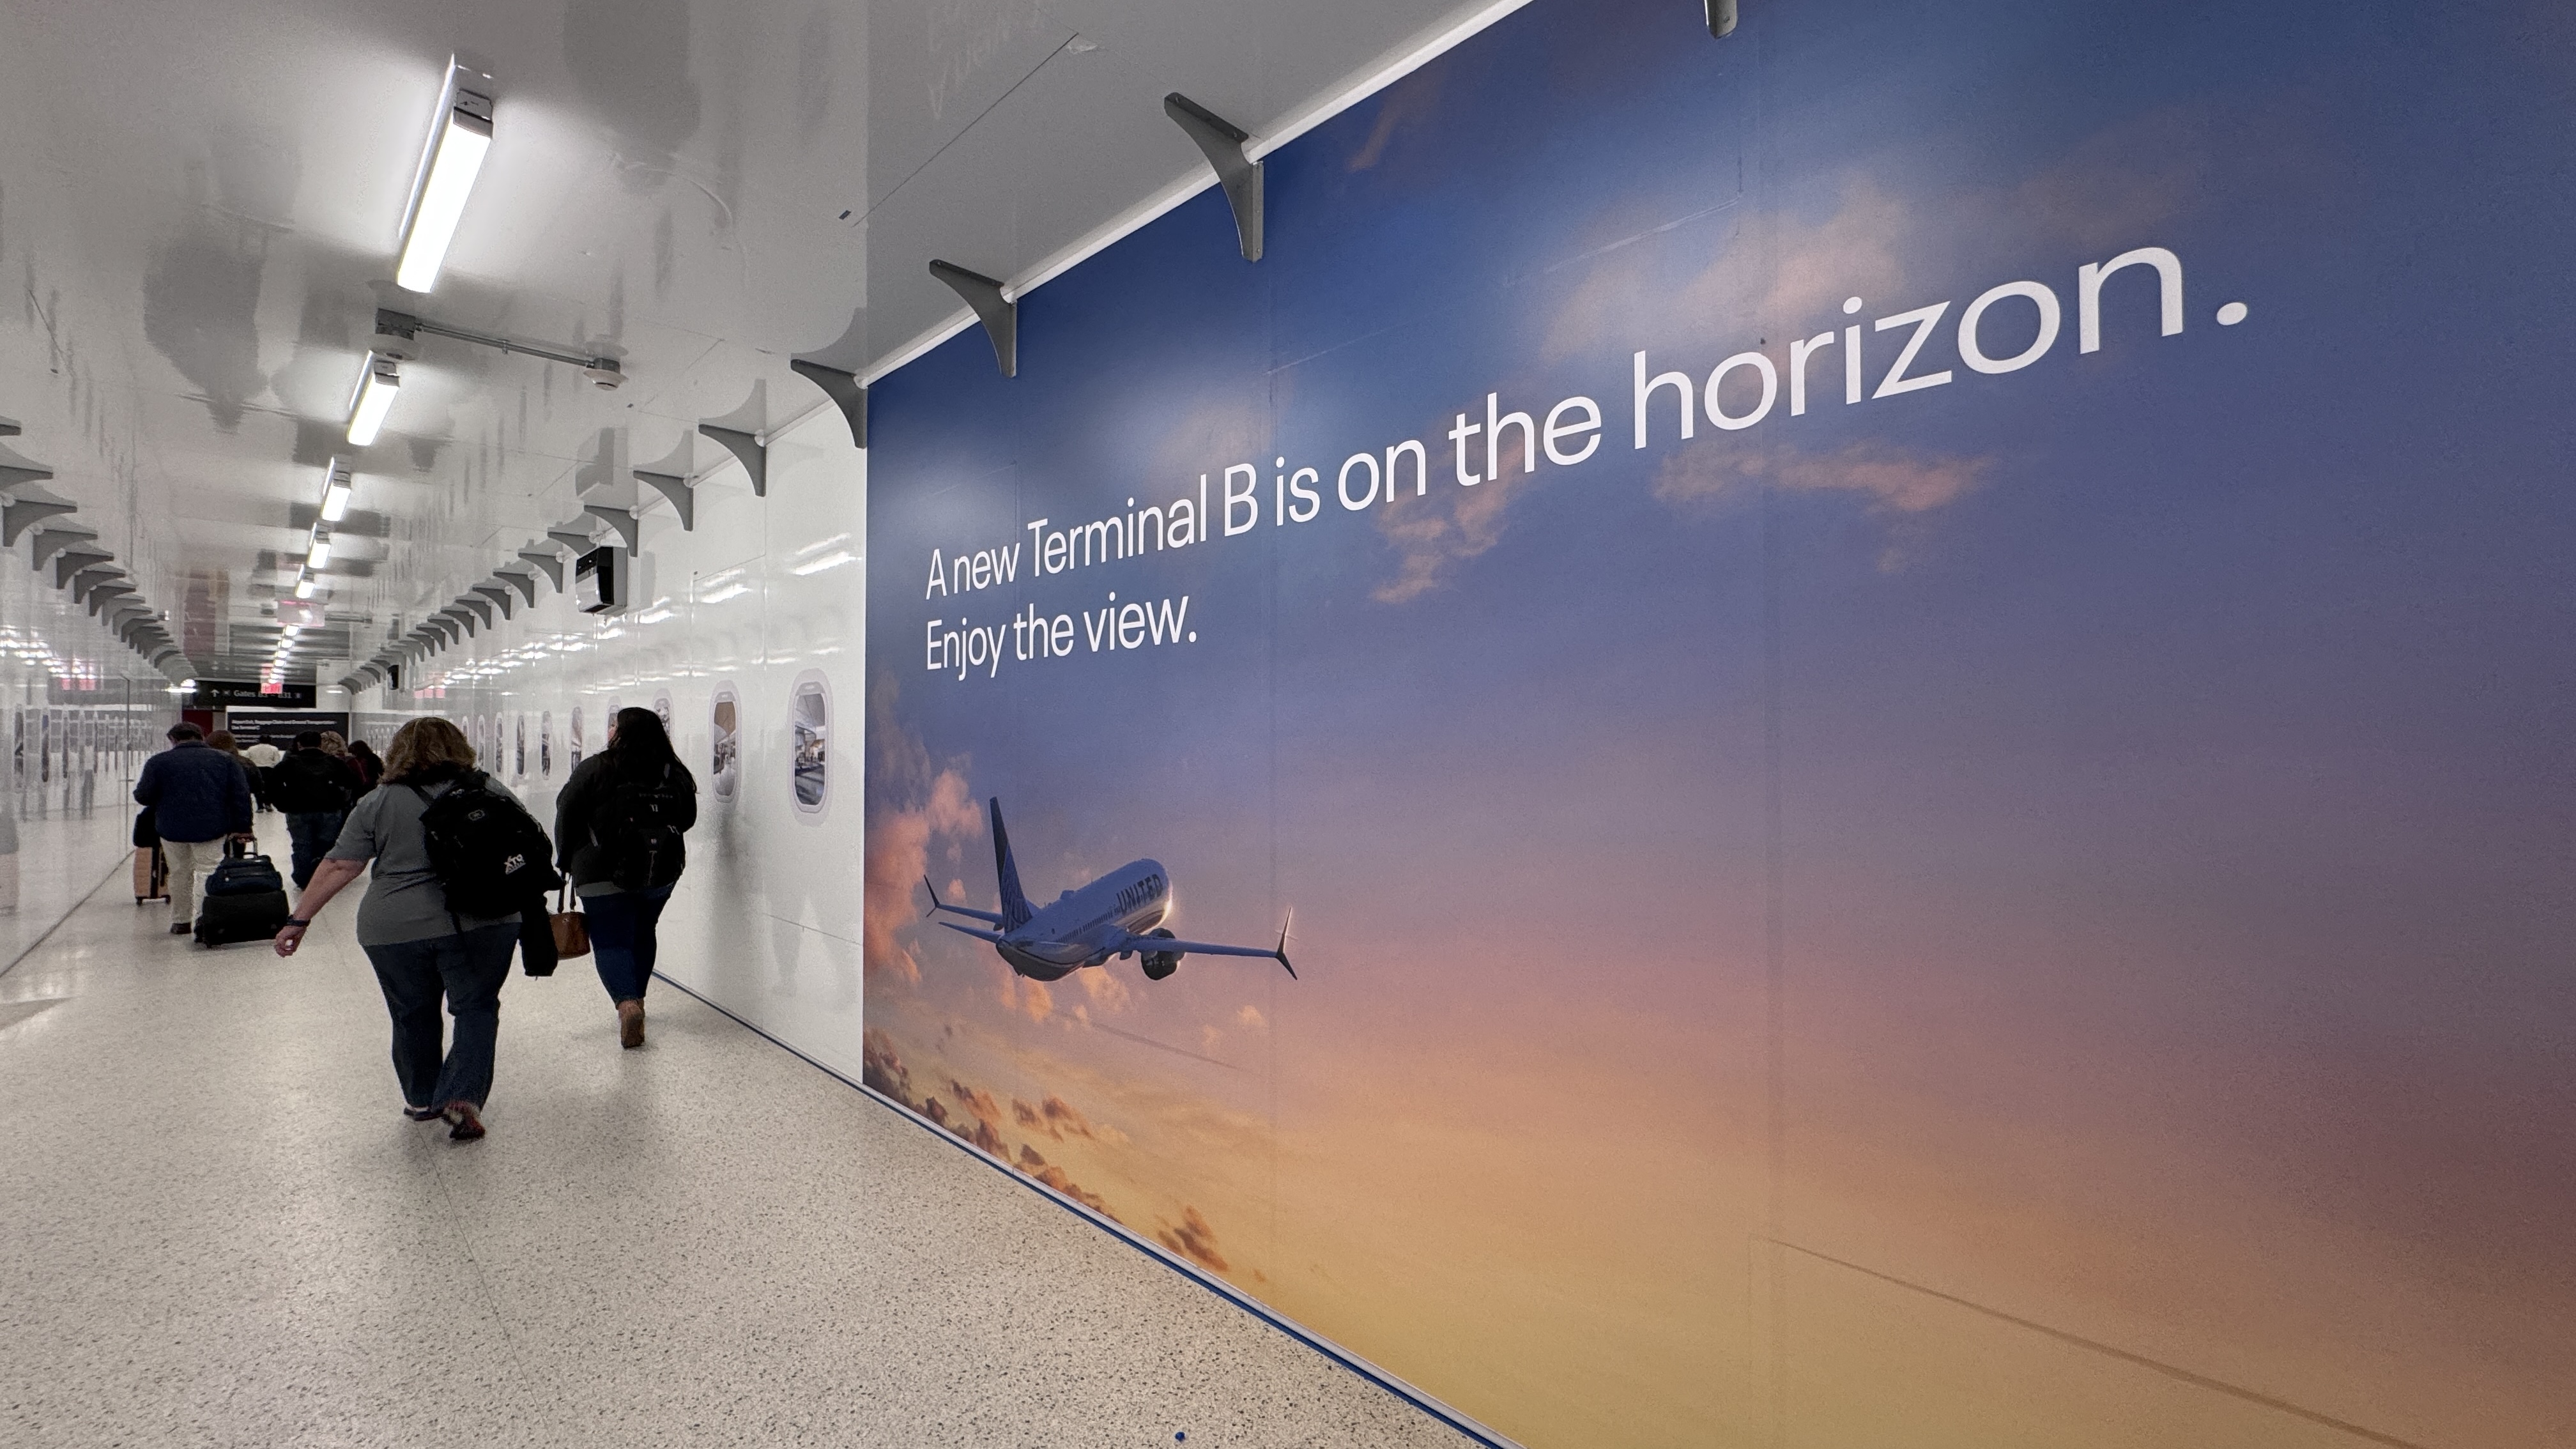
(618, 825)
(453, 852)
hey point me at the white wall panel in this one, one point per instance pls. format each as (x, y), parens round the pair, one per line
(759, 593)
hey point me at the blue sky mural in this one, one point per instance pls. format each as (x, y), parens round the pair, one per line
(1950, 913)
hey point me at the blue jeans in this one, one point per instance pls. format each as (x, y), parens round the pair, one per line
(311, 834)
(468, 970)
(622, 940)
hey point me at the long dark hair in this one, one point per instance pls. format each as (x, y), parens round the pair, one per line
(641, 748)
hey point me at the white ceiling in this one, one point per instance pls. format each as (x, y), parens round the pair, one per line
(200, 203)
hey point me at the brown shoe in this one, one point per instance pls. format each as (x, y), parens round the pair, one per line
(465, 1121)
(630, 1024)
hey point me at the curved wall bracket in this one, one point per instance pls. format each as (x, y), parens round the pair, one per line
(684, 502)
(1000, 315)
(1221, 141)
(91, 579)
(629, 532)
(552, 566)
(520, 577)
(478, 608)
(17, 472)
(9, 428)
(500, 597)
(28, 504)
(748, 450)
(579, 543)
(75, 558)
(845, 391)
(103, 595)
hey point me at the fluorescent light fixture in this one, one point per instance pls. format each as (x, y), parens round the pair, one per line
(187, 684)
(453, 157)
(321, 551)
(304, 588)
(335, 481)
(375, 398)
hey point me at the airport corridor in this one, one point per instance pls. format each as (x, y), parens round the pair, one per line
(218, 1230)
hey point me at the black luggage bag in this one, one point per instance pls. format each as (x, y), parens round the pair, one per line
(245, 900)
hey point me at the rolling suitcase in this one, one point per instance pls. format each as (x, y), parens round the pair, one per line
(151, 874)
(245, 900)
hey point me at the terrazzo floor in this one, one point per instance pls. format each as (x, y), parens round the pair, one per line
(216, 1230)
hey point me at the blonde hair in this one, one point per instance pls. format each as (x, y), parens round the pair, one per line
(332, 744)
(425, 746)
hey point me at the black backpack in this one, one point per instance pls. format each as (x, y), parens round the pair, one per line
(638, 829)
(490, 856)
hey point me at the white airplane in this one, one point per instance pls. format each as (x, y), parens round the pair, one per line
(1120, 914)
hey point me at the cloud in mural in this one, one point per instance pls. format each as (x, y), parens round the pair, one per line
(899, 841)
(1193, 1240)
(1889, 479)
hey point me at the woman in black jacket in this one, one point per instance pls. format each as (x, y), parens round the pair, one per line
(617, 834)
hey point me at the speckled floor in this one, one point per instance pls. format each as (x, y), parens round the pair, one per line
(216, 1230)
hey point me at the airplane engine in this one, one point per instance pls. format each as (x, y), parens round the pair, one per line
(1161, 964)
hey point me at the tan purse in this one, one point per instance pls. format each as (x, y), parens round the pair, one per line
(572, 928)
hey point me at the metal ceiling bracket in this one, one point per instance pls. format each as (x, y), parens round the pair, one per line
(100, 598)
(55, 537)
(746, 449)
(1001, 316)
(17, 472)
(27, 504)
(683, 501)
(579, 543)
(9, 428)
(75, 558)
(552, 565)
(629, 532)
(520, 577)
(603, 372)
(480, 608)
(845, 391)
(91, 578)
(1222, 142)
(1721, 18)
(498, 595)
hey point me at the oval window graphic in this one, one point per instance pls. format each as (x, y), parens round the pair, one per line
(809, 708)
(724, 732)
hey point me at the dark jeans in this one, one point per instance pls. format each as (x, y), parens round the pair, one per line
(468, 969)
(622, 940)
(311, 834)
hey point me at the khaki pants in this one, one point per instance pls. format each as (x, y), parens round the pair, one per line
(189, 859)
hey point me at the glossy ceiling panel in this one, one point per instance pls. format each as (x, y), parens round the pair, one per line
(201, 202)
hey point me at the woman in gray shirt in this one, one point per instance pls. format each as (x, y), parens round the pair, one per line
(419, 948)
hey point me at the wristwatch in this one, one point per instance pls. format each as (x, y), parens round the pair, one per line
(294, 922)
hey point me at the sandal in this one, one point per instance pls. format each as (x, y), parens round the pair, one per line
(425, 1114)
(466, 1120)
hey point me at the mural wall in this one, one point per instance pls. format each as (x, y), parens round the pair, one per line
(1909, 677)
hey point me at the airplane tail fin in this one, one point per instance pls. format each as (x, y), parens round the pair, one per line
(1006, 870)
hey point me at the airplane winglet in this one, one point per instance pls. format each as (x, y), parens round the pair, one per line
(1282, 953)
(934, 898)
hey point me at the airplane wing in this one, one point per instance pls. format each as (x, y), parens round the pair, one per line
(1168, 944)
(993, 936)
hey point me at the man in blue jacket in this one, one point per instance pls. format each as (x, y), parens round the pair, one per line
(200, 797)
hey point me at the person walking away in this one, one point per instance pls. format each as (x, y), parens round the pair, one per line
(315, 791)
(222, 741)
(200, 797)
(370, 768)
(424, 944)
(263, 758)
(618, 825)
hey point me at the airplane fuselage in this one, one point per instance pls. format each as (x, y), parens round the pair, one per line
(1086, 927)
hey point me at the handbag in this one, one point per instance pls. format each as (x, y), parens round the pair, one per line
(572, 928)
(147, 830)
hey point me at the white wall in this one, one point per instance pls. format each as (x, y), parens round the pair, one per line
(766, 922)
